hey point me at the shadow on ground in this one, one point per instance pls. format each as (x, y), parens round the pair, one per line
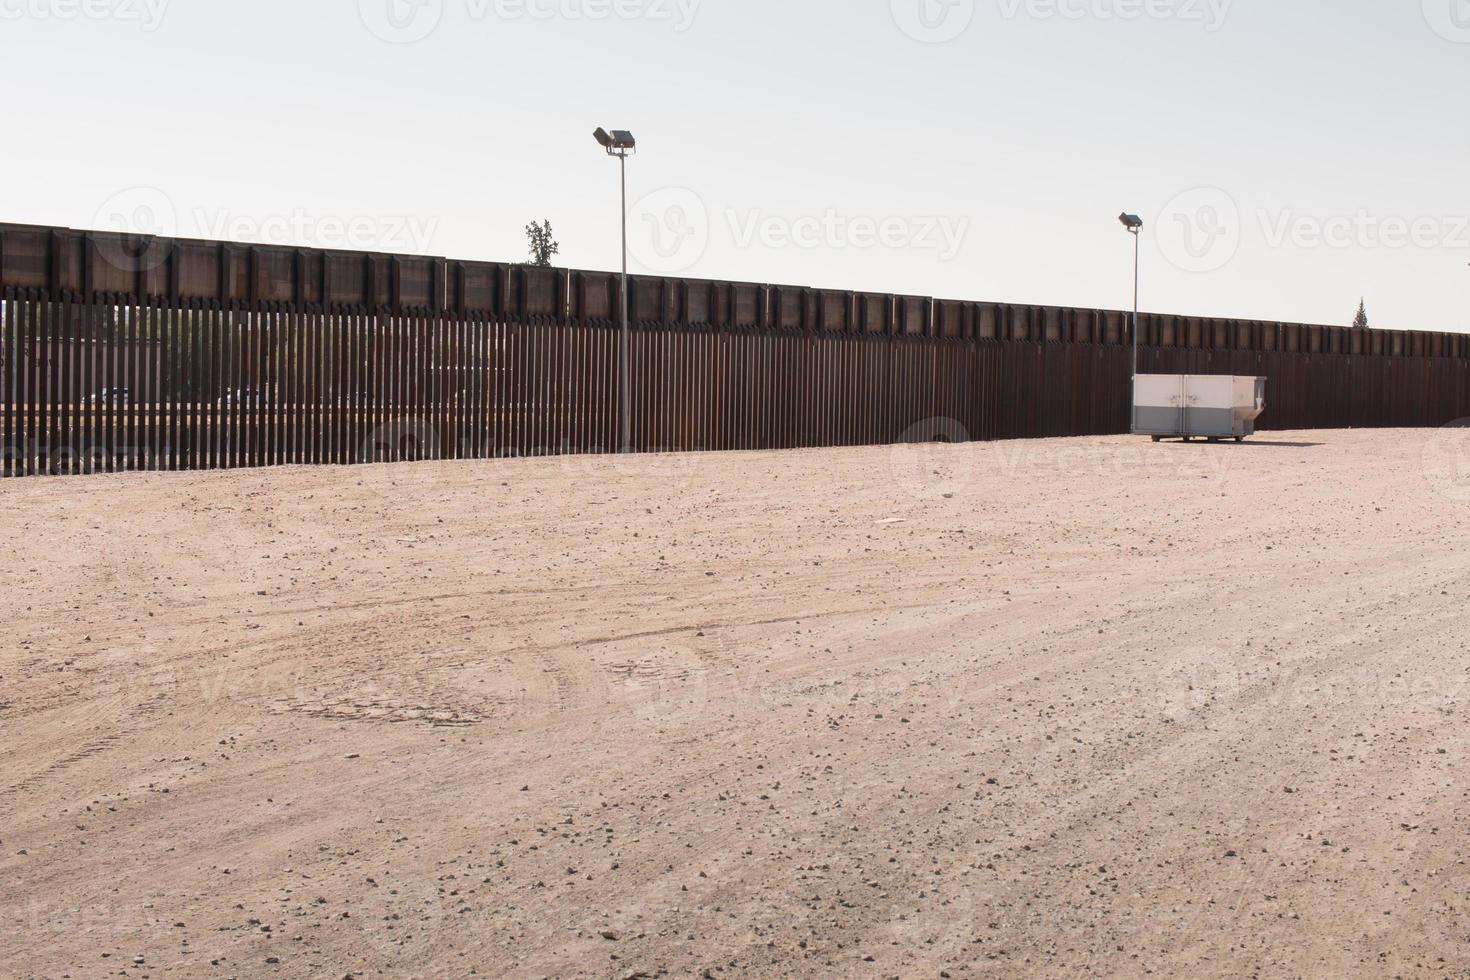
(1266, 443)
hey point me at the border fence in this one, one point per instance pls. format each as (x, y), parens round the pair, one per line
(131, 352)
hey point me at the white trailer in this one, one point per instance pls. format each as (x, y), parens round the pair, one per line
(1190, 406)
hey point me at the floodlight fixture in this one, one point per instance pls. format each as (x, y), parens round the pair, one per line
(1131, 221)
(618, 143)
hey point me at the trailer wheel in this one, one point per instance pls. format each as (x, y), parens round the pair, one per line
(1158, 438)
(1240, 438)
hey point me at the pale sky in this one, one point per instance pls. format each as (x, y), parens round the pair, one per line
(1289, 156)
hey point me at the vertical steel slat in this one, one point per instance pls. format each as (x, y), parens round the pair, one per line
(496, 379)
(342, 386)
(8, 352)
(151, 380)
(347, 327)
(106, 383)
(278, 398)
(203, 326)
(81, 412)
(438, 383)
(172, 378)
(230, 382)
(248, 380)
(554, 372)
(541, 388)
(308, 327)
(138, 352)
(46, 389)
(297, 326)
(251, 381)
(63, 346)
(517, 387)
(362, 373)
(481, 334)
(459, 396)
(30, 345)
(326, 359)
(525, 387)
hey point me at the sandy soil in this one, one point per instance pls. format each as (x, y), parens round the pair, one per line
(1065, 709)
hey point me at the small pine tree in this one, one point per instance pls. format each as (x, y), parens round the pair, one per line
(543, 246)
(1360, 322)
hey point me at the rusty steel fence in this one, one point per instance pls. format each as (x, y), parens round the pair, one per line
(119, 352)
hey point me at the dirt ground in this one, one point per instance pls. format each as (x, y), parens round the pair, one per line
(1070, 708)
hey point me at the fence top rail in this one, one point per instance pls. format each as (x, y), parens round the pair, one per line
(113, 267)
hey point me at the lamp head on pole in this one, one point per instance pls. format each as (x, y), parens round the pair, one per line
(618, 143)
(1132, 222)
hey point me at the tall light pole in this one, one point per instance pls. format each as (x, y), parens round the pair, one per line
(1134, 224)
(619, 143)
